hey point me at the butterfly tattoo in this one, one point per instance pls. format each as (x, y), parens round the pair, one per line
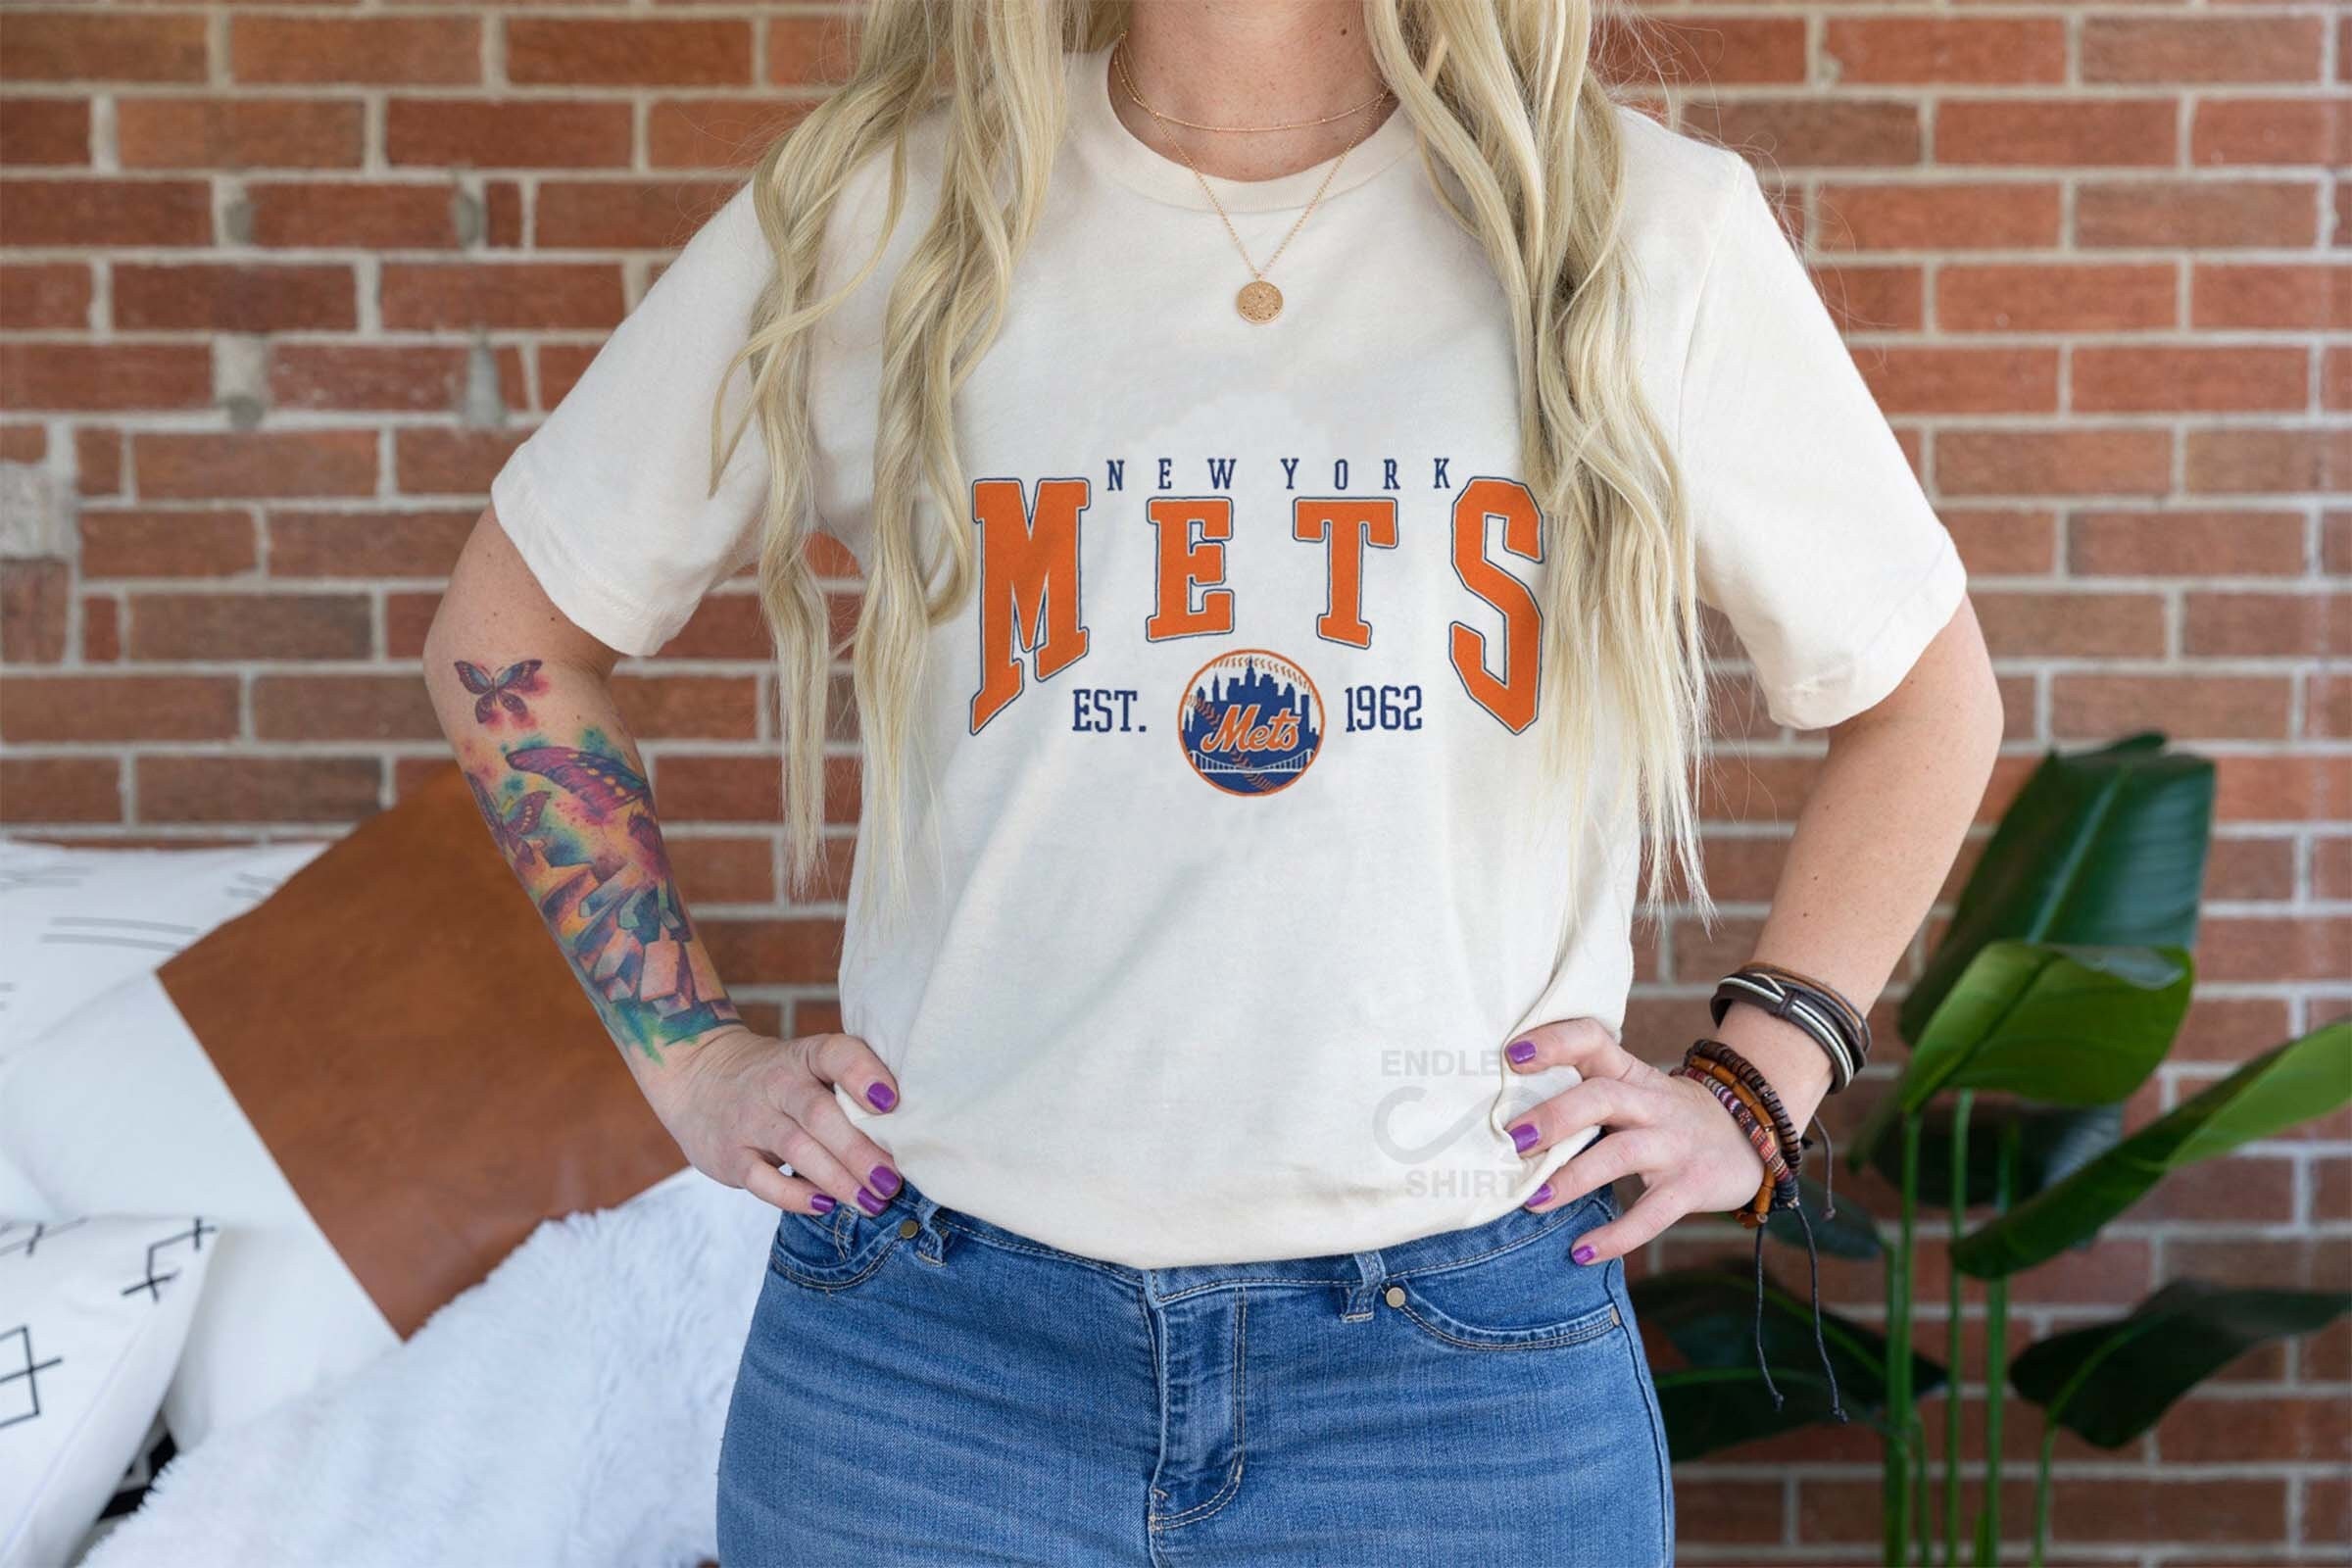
(601, 783)
(507, 689)
(510, 827)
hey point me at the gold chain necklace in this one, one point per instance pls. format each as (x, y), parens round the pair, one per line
(1258, 300)
(1287, 124)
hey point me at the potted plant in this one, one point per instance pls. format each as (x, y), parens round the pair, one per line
(2057, 990)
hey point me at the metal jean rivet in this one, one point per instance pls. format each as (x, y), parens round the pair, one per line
(908, 1230)
(1393, 1296)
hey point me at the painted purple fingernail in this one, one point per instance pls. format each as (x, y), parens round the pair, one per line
(885, 1179)
(881, 1097)
(1524, 1136)
(1582, 1254)
(869, 1202)
(1522, 1051)
(1540, 1197)
(822, 1203)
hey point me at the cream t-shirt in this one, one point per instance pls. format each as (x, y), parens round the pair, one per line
(1242, 869)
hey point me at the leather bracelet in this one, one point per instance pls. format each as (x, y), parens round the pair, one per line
(1816, 1025)
(1784, 992)
(1833, 1023)
(1745, 1072)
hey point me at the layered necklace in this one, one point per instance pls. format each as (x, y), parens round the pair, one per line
(1258, 300)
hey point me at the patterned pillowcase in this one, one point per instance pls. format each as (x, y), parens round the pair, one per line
(76, 921)
(93, 1315)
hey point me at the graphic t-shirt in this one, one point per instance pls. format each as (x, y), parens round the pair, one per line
(1242, 868)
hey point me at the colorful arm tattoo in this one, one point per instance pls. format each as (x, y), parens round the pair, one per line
(505, 690)
(589, 852)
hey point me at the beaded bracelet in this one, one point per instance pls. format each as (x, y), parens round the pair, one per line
(1749, 1112)
(1728, 1065)
(1726, 1062)
(1779, 1188)
(1713, 1062)
(1699, 1068)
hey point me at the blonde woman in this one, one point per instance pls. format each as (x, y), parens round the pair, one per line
(1287, 446)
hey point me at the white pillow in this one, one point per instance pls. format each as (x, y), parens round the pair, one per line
(93, 1314)
(18, 1195)
(118, 1106)
(75, 921)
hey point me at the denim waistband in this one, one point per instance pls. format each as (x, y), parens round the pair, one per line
(1362, 1272)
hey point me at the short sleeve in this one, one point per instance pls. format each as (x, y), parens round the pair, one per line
(610, 501)
(1813, 536)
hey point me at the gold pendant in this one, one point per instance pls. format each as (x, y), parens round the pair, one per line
(1259, 301)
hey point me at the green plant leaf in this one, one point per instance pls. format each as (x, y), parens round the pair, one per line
(1709, 1314)
(2111, 1382)
(1850, 1231)
(2054, 1142)
(2064, 1025)
(1708, 1409)
(2302, 1079)
(2103, 848)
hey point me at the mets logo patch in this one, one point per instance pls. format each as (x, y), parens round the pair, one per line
(1250, 722)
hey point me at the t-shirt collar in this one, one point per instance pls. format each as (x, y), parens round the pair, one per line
(1106, 142)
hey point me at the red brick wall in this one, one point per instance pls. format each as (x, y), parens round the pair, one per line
(282, 285)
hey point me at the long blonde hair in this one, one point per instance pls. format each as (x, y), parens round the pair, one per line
(1522, 143)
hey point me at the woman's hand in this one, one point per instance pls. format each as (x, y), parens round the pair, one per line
(1672, 1133)
(741, 1103)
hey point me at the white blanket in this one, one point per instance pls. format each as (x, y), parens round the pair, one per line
(565, 1411)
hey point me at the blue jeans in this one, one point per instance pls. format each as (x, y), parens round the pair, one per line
(927, 1388)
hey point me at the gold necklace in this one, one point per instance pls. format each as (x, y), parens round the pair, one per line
(1287, 124)
(1259, 301)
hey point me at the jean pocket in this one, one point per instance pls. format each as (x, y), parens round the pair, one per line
(1531, 1295)
(831, 1253)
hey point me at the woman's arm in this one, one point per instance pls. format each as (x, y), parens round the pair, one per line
(523, 696)
(1874, 842)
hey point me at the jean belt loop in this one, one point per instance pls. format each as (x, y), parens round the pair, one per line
(931, 1243)
(1372, 1271)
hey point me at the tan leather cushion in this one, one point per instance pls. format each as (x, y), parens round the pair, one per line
(415, 1051)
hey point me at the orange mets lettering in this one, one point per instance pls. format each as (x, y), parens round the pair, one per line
(1189, 559)
(1510, 696)
(1240, 731)
(1031, 618)
(1028, 585)
(1348, 524)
